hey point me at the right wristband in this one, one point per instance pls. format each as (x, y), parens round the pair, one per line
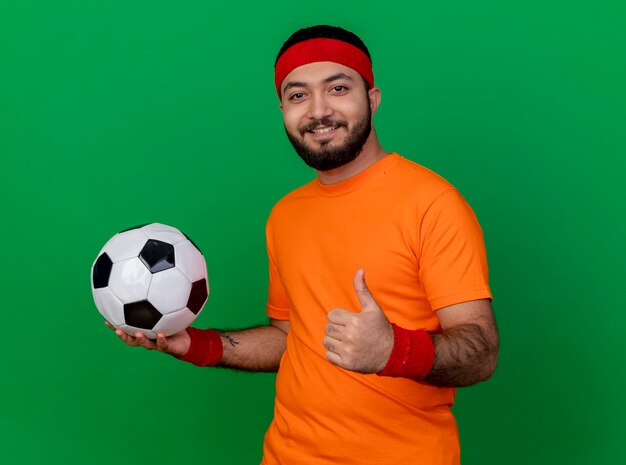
(412, 356)
(205, 349)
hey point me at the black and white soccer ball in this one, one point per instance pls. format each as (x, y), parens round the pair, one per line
(150, 279)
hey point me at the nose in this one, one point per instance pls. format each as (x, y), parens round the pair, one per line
(319, 106)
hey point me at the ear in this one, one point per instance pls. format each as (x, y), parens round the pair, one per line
(374, 97)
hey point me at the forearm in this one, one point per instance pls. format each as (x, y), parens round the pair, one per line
(464, 355)
(253, 349)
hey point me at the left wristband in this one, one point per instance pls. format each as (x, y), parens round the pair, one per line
(206, 348)
(413, 354)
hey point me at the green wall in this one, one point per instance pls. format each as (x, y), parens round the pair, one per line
(119, 113)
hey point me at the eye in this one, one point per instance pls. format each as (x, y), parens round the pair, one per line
(296, 96)
(339, 89)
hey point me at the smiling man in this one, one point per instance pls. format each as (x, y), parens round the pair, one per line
(366, 372)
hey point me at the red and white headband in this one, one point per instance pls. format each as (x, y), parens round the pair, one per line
(314, 50)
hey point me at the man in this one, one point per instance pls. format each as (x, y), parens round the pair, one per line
(367, 371)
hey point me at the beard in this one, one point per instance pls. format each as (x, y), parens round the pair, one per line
(328, 157)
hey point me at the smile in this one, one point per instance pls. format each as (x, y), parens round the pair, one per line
(324, 130)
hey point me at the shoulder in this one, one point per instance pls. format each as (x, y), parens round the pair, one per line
(434, 195)
(418, 182)
(416, 172)
(292, 199)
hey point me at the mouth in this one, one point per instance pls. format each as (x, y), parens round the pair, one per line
(323, 132)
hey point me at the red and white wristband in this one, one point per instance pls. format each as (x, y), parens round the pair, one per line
(205, 349)
(413, 354)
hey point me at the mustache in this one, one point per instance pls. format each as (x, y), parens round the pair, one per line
(327, 121)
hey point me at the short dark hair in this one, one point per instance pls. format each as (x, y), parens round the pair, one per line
(323, 31)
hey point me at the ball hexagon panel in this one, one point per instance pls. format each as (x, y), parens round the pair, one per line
(172, 323)
(109, 306)
(198, 296)
(190, 261)
(141, 314)
(163, 233)
(169, 290)
(157, 255)
(101, 271)
(130, 280)
(125, 245)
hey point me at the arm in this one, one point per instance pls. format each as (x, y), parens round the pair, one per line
(466, 350)
(254, 349)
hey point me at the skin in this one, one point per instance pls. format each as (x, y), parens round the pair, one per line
(325, 89)
(465, 349)
(252, 349)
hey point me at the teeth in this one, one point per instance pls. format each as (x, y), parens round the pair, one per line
(323, 130)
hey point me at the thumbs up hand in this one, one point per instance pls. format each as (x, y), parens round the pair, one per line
(362, 341)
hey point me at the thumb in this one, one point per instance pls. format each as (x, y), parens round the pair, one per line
(368, 304)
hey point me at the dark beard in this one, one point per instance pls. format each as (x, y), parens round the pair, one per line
(327, 157)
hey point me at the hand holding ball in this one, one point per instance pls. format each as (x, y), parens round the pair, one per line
(150, 279)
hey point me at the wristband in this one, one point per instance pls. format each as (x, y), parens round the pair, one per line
(205, 349)
(412, 356)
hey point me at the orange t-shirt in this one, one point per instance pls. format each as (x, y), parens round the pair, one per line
(422, 249)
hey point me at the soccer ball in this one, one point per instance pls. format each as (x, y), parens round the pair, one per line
(151, 279)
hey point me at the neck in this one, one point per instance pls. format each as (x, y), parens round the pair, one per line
(370, 154)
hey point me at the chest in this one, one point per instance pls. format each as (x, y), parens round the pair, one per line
(320, 245)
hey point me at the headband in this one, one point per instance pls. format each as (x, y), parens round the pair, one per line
(314, 50)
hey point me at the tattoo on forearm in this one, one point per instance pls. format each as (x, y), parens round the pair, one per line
(231, 340)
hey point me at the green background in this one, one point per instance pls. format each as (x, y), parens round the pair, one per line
(118, 113)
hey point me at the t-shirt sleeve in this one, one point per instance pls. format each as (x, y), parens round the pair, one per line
(452, 257)
(278, 304)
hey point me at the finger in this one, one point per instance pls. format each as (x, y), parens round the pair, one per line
(143, 341)
(368, 303)
(123, 335)
(334, 331)
(161, 342)
(126, 338)
(339, 316)
(334, 358)
(331, 344)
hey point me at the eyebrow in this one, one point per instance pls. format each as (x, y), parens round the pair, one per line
(337, 76)
(293, 84)
(329, 79)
